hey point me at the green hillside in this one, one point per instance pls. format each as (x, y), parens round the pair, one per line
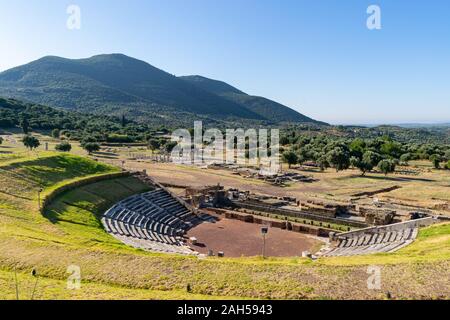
(117, 84)
(73, 124)
(214, 86)
(267, 108)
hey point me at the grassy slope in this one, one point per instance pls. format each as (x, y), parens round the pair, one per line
(77, 212)
(112, 270)
(51, 289)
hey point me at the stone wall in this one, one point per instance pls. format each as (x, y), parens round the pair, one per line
(328, 209)
(284, 225)
(300, 214)
(377, 216)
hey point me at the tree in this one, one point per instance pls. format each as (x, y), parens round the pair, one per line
(386, 166)
(87, 139)
(284, 141)
(447, 155)
(392, 149)
(405, 158)
(56, 133)
(63, 147)
(436, 160)
(339, 158)
(119, 138)
(154, 144)
(169, 146)
(1, 140)
(65, 134)
(322, 162)
(357, 147)
(25, 125)
(30, 142)
(290, 157)
(369, 160)
(303, 154)
(91, 147)
(163, 129)
(362, 164)
(356, 162)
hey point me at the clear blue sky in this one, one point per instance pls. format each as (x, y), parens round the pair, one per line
(315, 56)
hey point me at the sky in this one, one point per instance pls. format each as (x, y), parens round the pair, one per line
(317, 56)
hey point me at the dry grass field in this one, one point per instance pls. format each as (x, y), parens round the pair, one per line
(420, 185)
(70, 234)
(429, 189)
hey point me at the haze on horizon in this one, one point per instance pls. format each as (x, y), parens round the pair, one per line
(317, 57)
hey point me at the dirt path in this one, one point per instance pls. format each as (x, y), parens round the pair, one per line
(236, 238)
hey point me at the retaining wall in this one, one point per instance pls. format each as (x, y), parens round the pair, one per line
(300, 214)
(284, 225)
(76, 184)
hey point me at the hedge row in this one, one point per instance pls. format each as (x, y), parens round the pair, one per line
(79, 183)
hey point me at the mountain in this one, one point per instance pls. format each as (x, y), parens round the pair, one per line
(117, 84)
(213, 86)
(266, 108)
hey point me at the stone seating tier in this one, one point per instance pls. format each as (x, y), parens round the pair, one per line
(153, 221)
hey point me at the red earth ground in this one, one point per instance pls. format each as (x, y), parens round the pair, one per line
(236, 238)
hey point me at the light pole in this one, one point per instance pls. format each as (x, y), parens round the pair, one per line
(16, 283)
(39, 198)
(34, 274)
(264, 231)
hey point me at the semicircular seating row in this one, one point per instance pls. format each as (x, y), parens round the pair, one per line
(153, 221)
(387, 241)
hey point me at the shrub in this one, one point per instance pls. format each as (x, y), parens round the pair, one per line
(339, 158)
(91, 147)
(56, 133)
(63, 147)
(436, 160)
(290, 157)
(169, 146)
(447, 165)
(386, 166)
(119, 138)
(405, 158)
(30, 142)
(154, 144)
